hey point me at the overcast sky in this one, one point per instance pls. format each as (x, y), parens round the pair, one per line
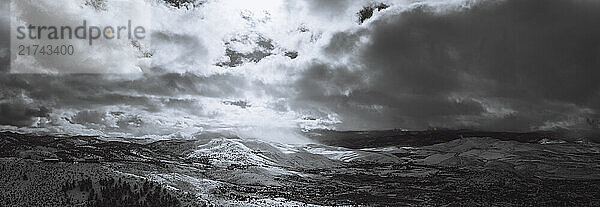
(270, 68)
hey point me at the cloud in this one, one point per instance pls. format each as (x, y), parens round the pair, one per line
(177, 52)
(18, 114)
(493, 65)
(428, 66)
(87, 55)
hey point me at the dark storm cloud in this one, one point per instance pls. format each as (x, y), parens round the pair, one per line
(540, 59)
(20, 114)
(323, 86)
(150, 92)
(172, 84)
(549, 49)
(85, 90)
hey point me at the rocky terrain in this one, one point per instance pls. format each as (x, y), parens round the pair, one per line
(228, 171)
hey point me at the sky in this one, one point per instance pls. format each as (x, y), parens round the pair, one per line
(269, 69)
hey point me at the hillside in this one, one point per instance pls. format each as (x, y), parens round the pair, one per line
(219, 171)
